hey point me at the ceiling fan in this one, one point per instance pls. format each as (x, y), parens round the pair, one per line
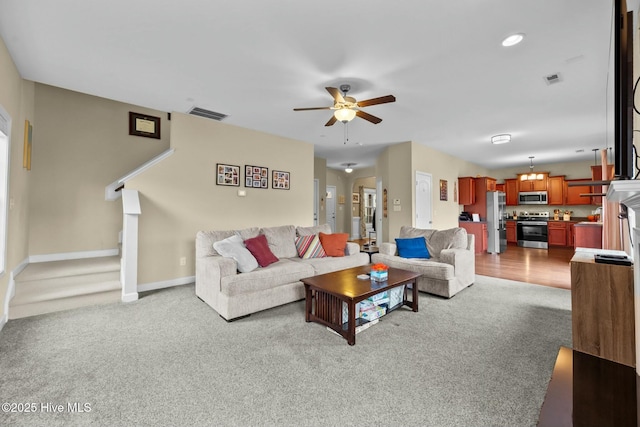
(346, 107)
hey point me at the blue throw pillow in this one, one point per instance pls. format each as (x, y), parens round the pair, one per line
(413, 248)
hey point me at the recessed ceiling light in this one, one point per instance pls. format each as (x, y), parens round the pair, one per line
(513, 39)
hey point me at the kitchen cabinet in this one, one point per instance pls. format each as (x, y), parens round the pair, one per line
(571, 234)
(466, 190)
(588, 235)
(555, 188)
(557, 233)
(533, 184)
(596, 175)
(602, 309)
(500, 187)
(482, 185)
(511, 191)
(512, 236)
(478, 229)
(573, 193)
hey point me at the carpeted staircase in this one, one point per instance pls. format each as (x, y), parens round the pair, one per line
(45, 287)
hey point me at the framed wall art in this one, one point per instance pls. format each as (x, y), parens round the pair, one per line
(355, 197)
(228, 174)
(280, 180)
(443, 189)
(143, 125)
(256, 176)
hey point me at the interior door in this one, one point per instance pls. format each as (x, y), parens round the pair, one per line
(424, 210)
(331, 207)
(316, 187)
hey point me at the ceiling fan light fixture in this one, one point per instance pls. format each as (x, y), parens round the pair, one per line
(348, 168)
(501, 139)
(344, 114)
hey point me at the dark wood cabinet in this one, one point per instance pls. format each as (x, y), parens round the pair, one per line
(588, 235)
(573, 193)
(466, 190)
(555, 186)
(511, 191)
(481, 186)
(571, 234)
(557, 233)
(525, 184)
(512, 236)
(478, 229)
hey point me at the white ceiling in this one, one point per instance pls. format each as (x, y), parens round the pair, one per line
(256, 60)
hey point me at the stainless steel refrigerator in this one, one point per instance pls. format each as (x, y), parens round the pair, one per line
(496, 222)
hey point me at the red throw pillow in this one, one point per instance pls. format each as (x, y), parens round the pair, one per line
(333, 244)
(259, 248)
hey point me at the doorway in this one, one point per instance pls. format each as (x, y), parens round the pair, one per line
(424, 209)
(331, 207)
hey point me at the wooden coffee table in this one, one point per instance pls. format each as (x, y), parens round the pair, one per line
(326, 293)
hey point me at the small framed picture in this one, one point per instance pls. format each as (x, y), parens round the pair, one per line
(443, 190)
(143, 125)
(227, 175)
(355, 198)
(255, 176)
(280, 180)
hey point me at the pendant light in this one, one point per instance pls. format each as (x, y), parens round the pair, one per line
(531, 176)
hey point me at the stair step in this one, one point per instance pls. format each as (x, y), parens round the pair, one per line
(61, 304)
(37, 291)
(74, 267)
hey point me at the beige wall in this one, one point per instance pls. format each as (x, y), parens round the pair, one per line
(179, 195)
(17, 99)
(82, 144)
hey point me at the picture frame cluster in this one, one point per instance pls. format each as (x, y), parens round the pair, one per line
(254, 177)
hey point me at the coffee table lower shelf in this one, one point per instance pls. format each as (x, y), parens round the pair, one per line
(325, 295)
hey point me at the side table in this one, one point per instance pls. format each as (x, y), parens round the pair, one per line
(369, 250)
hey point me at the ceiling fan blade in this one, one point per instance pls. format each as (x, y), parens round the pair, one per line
(373, 119)
(312, 108)
(337, 96)
(331, 121)
(376, 101)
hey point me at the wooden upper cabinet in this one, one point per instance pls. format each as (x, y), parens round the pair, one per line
(511, 191)
(534, 184)
(596, 175)
(466, 190)
(572, 194)
(491, 183)
(555, 187)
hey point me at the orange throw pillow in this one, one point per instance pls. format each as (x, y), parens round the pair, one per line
(334, 244)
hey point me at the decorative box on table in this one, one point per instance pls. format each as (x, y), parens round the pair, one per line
(379, 272)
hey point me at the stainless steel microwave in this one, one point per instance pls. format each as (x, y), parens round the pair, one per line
(532, 198)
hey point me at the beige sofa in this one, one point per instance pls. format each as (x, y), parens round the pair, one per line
(234, 294)
(451, 267)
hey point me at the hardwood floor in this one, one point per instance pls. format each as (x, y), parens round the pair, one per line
(540, 266)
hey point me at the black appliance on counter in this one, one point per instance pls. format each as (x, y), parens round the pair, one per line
(465, 216)
(532, 230)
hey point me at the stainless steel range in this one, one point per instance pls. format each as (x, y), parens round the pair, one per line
(532, 229)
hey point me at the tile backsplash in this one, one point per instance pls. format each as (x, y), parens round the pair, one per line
(579, 211)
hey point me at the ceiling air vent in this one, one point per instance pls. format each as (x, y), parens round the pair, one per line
(208, 114)
(553, 78)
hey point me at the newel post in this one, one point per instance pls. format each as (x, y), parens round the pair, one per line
(129, 261)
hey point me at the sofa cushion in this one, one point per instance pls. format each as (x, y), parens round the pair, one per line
(309, 247)
(453, 238)
(334, 244)
(415, 247)
(282, 240)
(233, 247)
(259, 248)
(206, 239)
(331, 264)
(277, 274)
(310, 231)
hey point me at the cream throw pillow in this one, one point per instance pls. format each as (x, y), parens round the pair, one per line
(233, 247)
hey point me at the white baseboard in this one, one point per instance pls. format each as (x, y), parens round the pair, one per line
(166, 284)
(65, 256)
(11, 291)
